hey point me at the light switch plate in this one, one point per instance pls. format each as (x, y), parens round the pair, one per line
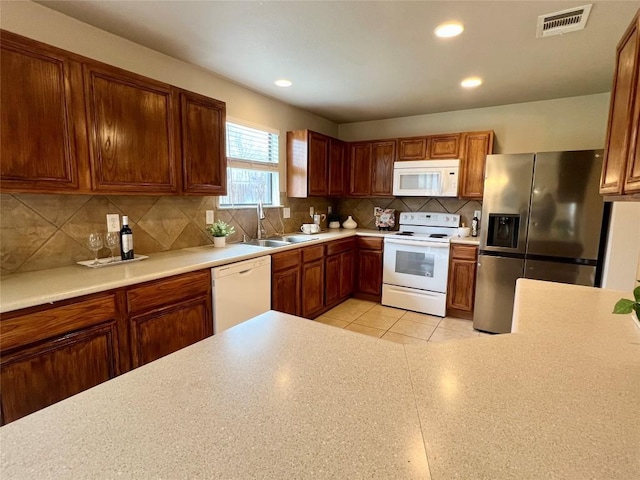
(477, 214)
(311, 211)
(286, 212)
(209, 215)
(113, 222)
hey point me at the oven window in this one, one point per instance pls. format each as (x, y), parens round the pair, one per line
(413, 263)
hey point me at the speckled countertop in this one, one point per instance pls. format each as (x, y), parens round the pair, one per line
(46, 286)
(466, 240)
(281, 397)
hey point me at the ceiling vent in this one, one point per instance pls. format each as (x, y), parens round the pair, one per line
(564, 21)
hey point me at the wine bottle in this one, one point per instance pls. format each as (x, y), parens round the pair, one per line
(126, 240)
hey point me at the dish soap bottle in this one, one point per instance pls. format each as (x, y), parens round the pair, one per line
(126, 240)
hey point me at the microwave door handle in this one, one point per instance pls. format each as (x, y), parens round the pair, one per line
(416, 243)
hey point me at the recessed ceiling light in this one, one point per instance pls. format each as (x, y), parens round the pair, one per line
(451, 29)
(471, 82)
(283, 83)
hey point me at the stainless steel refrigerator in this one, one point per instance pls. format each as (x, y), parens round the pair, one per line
(542, 218)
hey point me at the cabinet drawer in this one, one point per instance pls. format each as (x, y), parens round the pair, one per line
(52, 322)
(340, 246)
(284, 260)
(162, 292)
(310, 254)
(464, 252)
(370, 243)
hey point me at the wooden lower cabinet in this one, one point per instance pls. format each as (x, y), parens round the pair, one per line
(169, 314)
(51, 353)
(308, 281)
(368, 284)
(339, 272)
(462, 281)
(285, 282)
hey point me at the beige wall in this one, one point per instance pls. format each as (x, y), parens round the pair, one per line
(40, 23)
(576, 123)
(622, 268)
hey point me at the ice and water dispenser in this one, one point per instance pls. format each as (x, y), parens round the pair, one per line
(503, 230)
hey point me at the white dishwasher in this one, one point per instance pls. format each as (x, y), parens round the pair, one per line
(240, 291)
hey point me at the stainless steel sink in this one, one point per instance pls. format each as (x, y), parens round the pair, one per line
(267, 243)
(294, 238)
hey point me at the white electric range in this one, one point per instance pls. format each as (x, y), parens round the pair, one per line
(416, 262)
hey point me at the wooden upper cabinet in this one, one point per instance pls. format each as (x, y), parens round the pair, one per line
(382, 156)
(444, 146)
(42, 117)
(204, 161)
(308, 156)
(318, 163)
(475, 148)
(132, 132)
(412, 148)
(337, 168)
(360, 169)
(622, 129)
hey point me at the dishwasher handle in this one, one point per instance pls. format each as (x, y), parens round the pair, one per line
(241, 268)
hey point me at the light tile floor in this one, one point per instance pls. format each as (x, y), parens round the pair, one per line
(396, 325)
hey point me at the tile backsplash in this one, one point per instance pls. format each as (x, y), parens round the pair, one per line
(362, 209)
(46, 231)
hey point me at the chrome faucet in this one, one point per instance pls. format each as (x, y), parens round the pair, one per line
(261, 231)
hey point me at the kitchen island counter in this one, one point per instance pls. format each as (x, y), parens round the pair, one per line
(282, 397)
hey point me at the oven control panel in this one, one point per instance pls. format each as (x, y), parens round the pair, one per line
(430, 219)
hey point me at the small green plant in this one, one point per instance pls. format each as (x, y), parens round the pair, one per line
(221, 229)
(624, 305)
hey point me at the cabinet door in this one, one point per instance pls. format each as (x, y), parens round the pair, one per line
(444, 146)
(132, 132)
(204, 158)
(42, 117)
(333, 278)
(169, 329)
(412, 148)
(476, 147)
(312, 288)
(285, 290)
(360, 170)
(346, 274)
(461, 288)
(383, 155)
(337, 168)
(618, 130)
(369, 276)
(53, 353)
(318, 163)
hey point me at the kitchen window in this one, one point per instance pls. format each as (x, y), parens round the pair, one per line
(253, 170)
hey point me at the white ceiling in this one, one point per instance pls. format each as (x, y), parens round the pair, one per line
(362, 60)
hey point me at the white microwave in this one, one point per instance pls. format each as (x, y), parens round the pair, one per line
(426, 178)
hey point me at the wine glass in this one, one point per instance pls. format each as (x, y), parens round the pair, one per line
(112, 240)
(95, 244)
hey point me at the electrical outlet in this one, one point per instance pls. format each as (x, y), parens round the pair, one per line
(113, 222)
(311, 211)
(286, 212)
(209, 215)
(477, 214)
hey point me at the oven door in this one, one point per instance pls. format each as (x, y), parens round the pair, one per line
(416, 264)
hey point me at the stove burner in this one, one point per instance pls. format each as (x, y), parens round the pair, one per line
(438, 235)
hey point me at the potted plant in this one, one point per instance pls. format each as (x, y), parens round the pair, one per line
(220, 231)
(624, 305)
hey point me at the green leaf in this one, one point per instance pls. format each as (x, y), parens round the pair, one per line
(623, 306)
(636, 293)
